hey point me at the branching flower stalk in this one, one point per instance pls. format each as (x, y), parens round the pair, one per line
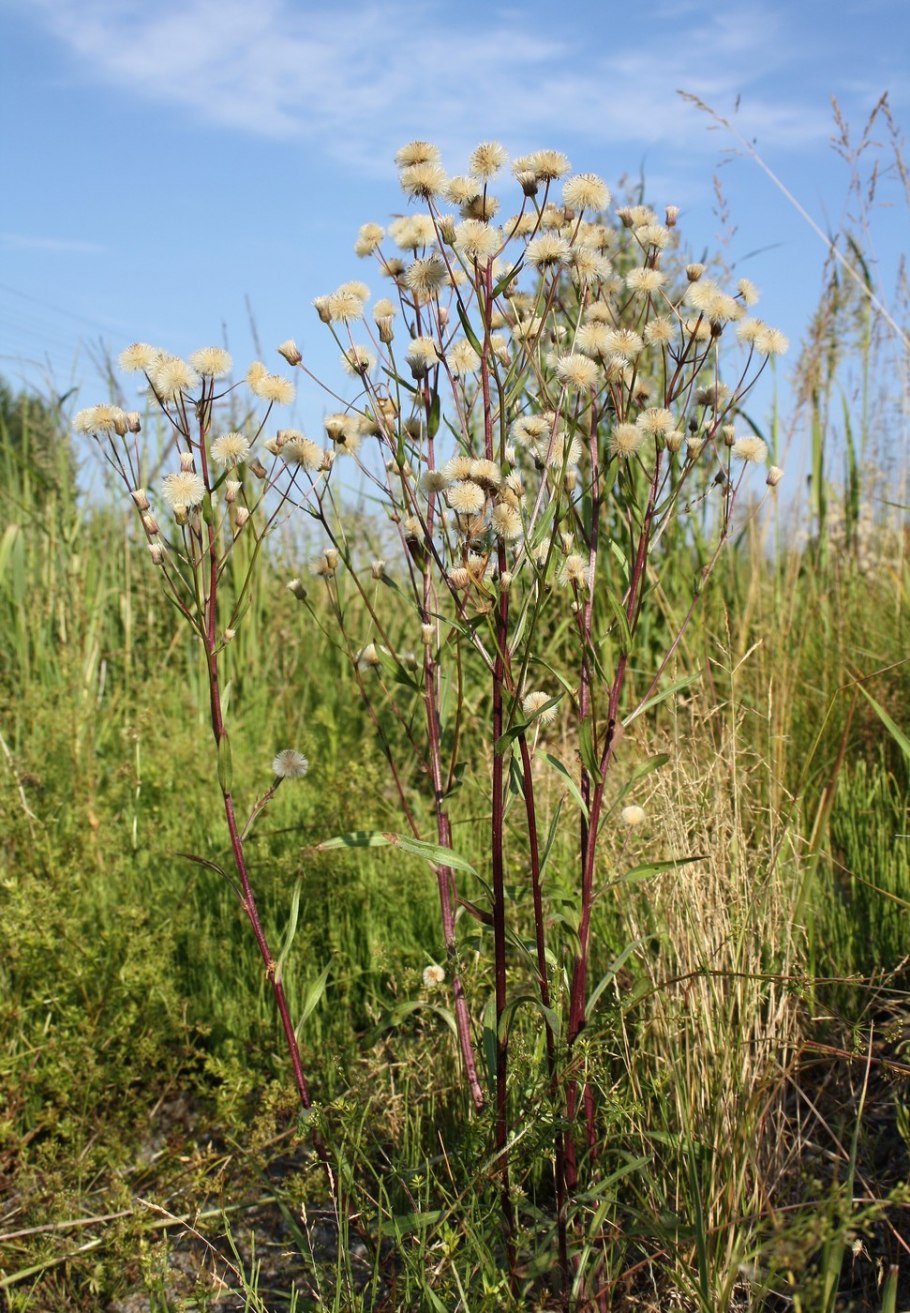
(222, 502)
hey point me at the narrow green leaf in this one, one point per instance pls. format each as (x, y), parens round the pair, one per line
(609, 976)
(468, 330)
(571, 784)
(311, 999)
(622, 620)
(586, 747)
(668, 692)
(225, 699)
(291, 930)
(897, 734)
(550, 1017)
(430, 852)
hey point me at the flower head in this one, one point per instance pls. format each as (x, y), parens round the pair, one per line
(586, 192)
(271, 387)
(487, 159)
(751, 449)
(183, 490)
(138, 356)
(230, 449)
(477, 240)
(211, 361)
(432, 976)
(289, 764)
(416, 152)
(532, 704)
(633, 816)
(170, 377)
(368, 239)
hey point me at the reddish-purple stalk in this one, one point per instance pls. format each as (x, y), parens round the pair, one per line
(589, 848)
(210, 640)
(497, 820)
(559, 1164)
(445, 876)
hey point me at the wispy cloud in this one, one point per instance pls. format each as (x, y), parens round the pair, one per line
(361, 80)
(49, 245)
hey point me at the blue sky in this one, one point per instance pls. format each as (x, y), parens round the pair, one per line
(166, 165)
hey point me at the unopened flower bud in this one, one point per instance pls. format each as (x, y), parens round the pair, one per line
(443, 313)
(505, 581)
(527, 181)
(231, 489)
(775, 474)
(377, 569)
(229, 634)
(694, 272)
(243, 514)
(330, 556)
(133, 421)
(186, 462)
(728, 433)
(141, 500)
(290, 352)
(150, 525)
(156, 551)
(427, 634)
(671, 215)
(296, 587)
(256, 467)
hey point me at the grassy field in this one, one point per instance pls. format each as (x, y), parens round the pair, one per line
(745, 1036)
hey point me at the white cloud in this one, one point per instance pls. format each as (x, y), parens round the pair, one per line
(49, 245)
(359, 81)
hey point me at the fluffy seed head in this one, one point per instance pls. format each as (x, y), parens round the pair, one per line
(138, 356)
(531, 705)
(462, 358)
(545, 165)
(625, 440)
(574, 571)
(578, 371)
(368, 239)
(101, 419)
(299, 450)
(272, 387)
(466, 498)
(751, 449)
(506, 521)
(426, 276)
(645, 280)
(357, 360)
(412, 231)
(432, 976)
(182, 491)
(487, 159)
(423, 181)
(289, 764)
(416, 152)
(586, 192)
(290, 351)
(547, 251)
(633, 816)
(656, 420)
(230, 449)
(171, 377)
(476, 240)
(211, 362)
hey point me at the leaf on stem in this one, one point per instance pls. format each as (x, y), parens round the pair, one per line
(433, 853)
